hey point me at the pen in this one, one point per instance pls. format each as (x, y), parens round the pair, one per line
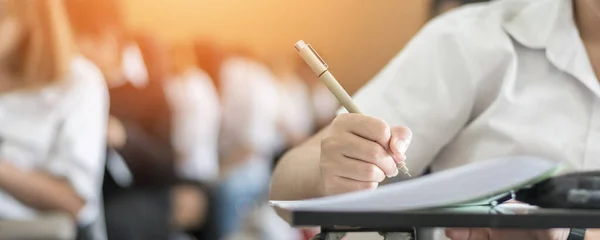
(320, 68)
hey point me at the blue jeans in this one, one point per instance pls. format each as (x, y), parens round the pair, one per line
(243, 189)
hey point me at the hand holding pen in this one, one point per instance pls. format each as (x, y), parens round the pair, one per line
(357, 151)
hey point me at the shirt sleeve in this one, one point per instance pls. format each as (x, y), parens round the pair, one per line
(79, 148)
(427, 87)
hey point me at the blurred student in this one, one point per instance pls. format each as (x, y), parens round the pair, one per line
(196, 111)
(248, 130)
(152, 156)
(158, 203)
(295, 119)
(511, 77)
(53, 116)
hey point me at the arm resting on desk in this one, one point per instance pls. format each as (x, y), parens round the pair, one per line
(298, 175)
(40, 190)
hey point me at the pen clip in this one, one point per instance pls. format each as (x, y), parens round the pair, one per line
(318, 56)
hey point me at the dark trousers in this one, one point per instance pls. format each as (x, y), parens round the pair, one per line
(144, 213)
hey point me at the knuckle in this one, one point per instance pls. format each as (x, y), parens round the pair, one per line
(374, 152)
(371, 172)
(377, 127)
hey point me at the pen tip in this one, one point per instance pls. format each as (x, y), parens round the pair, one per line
(404, 169)
(299, 45)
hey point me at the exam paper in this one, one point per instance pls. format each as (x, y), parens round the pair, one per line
(469, 183)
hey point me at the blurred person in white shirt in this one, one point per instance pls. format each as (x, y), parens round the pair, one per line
(197, 116)
(145, 195)
(247, 142)
(295, 121)
(53, 116)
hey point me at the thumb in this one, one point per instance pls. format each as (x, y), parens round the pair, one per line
(400, 140)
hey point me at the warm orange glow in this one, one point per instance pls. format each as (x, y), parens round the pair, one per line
(356, 37)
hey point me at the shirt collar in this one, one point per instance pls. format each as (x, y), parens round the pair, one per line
(550, 25)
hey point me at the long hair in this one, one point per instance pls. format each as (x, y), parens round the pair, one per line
(46, 48)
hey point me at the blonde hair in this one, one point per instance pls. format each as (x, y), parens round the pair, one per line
(46, 49)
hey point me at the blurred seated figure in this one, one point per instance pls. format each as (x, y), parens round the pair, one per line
(151, 155)
(248, 96)
(53, 116)
(295, 119)
(196, 111)
(156, 202)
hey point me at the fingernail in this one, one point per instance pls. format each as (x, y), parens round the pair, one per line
(457, 234)
(395, 174)
(401, 146)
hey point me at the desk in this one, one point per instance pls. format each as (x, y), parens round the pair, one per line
(513, 216)
(52, 226)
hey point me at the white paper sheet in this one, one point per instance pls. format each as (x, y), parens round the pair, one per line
(464, 184)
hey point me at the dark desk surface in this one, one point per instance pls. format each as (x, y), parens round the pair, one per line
(502, 217)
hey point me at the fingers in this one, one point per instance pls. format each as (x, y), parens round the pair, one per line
(370, 128)
(371, 152)
(345, 185)
(359, 171)
(354, 154)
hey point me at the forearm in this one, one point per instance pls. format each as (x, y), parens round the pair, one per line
(298, 174)
(39, 190)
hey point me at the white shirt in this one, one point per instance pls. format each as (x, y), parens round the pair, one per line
(249, 100)
(134, 68)
(507, 78)
(295, 112)
(196, 113)
(60, 130)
